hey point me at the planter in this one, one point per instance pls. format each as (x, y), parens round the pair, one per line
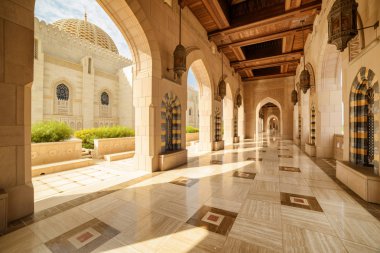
(192, 137)
(217, 145)
(310, 149)
(361, 180)
(172, 160)
(113, 145)
(53, 152)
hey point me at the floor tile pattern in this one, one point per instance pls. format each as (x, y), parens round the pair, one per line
(83, 238)
(185, 181)
(289, 169)
(301, 201)
(205, 208)
(246, 175)
(213, 219)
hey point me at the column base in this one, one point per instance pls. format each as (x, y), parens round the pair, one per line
(20, 201)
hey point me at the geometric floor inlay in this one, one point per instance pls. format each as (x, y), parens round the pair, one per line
(285, 156)
(213, 219)
(289, 169)
(84, 238)
(216, 162)
(246, 175)
(254, 159)
(185, 181)
(301, 201)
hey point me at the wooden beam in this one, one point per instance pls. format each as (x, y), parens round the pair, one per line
(296, 54)
(286, 16)
(272, 36)
(247, 79)
(269, 65)
(217, 13)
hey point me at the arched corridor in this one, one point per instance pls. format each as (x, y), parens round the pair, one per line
(231, 126)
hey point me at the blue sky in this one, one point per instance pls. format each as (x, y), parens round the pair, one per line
(191, 80)
(53, 10)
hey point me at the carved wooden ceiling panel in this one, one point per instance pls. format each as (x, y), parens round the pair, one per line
(261, 38)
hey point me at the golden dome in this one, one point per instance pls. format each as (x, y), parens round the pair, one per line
(88, 31)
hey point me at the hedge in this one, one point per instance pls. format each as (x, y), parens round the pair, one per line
(190, 129)
(88, 135)
(50, 131)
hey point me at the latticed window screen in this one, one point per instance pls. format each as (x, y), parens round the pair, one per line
(104, 98)
(62, 92)
(62, 104)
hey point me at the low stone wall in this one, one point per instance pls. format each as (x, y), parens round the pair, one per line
(113, 145)
(192, 137)
(338, 147)
(53, 152)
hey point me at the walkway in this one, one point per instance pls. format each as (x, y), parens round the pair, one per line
(258, 197)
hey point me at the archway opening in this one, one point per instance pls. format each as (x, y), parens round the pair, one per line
(199, 107)
(83, 77)
(268, 118)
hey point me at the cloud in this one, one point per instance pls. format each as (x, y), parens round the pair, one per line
(53, 10)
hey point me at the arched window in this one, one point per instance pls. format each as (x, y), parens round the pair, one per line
(62, 100)
(190, 112)
(62, 92)
(104, 98)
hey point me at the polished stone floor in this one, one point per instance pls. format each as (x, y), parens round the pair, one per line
(264, 196)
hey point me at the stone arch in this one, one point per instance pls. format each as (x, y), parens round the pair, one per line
(364, 105)
(270, 118)
(206, 96)
(258, 107)
(310, 69)
(329, 85)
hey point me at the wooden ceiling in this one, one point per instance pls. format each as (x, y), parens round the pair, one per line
(261, 38)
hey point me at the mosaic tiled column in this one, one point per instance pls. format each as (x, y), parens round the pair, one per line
(364, 119)
(312, 125)
(170, 123)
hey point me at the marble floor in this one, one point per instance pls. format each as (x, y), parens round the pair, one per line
(265, 196)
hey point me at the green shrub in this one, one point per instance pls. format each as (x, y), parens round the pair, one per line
(50, 131)
(88, 135)
(190, 129)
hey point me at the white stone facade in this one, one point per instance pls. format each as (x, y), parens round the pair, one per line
(88, 71)
(192, 113)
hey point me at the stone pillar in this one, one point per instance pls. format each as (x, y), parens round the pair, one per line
(38, 83)
(88, 92)
(125, 98)
(147, 122)
(228, 121)
(16, 76)
(241, 123)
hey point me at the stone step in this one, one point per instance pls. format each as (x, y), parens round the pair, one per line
(119, 156)
(60, 166)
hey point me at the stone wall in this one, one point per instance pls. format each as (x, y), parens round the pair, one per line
(53, 152)
(278, 90)
(113, 145)
(192, 137)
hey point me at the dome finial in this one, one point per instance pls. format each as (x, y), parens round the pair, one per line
(85, 14)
